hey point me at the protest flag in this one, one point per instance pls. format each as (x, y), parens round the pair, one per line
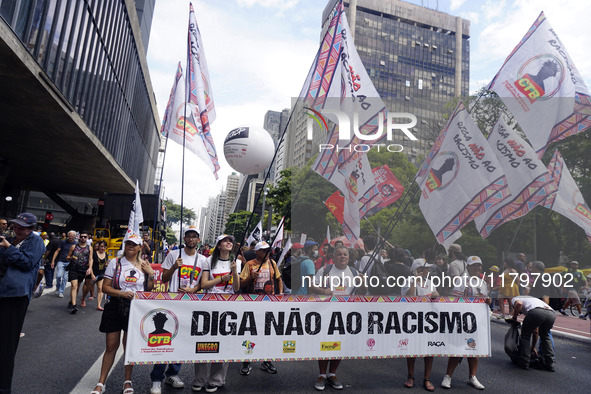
(543, 89)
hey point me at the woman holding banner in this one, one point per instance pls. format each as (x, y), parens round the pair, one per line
(421, 285)
(219, 275)
(123, 277)
(471, 285)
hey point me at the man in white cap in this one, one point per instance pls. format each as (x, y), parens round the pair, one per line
(260, 276)
(182, 271)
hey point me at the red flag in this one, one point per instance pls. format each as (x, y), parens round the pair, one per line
(390, 187)
(336, 204)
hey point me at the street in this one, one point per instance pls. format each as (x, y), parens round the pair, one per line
(61, 353)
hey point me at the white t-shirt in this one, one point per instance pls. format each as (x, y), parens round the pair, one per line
(529, 303)
(425, 287)
(344, 284)
(130, 277)
(184, 275)
(471, 286)
(222, 267)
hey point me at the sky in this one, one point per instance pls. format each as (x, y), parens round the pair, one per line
(259, 53)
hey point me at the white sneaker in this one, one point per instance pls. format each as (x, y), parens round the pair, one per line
(475, 383)
(446, 384)
(156, 388)
(175, 382)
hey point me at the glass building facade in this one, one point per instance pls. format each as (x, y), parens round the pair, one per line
(411, 55)
(87, 50)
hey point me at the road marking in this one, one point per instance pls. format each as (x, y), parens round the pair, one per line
(88, 381)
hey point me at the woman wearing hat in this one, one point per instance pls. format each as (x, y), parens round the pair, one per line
(123, 277)
(219, 275)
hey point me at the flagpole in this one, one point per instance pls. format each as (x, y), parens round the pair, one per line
(159, 206)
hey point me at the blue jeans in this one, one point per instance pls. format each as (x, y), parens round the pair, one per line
(49, 275)
(157, 374)
(61, 276)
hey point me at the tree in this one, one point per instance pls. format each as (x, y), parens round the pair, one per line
(170, 236)
(173, 213)
(279, 197)
(236, 224)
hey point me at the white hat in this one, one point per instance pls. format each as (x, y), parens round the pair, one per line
(473, 260)
(223, 236)
(191, 228)
(132, 238)
(418, 263)
(261, 245)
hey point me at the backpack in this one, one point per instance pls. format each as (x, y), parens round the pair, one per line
(512, 341)
(291, 270)
(378, 270)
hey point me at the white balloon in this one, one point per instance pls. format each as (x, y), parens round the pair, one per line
(249, 150)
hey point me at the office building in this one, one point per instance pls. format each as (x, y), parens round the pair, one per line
(77, 98)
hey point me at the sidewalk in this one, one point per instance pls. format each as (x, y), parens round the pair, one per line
(568, 327)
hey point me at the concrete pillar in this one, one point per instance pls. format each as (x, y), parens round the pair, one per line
(458, 63)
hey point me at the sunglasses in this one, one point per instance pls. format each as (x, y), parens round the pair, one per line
(83, 236)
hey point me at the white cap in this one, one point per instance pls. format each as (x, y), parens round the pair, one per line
(132, 238)
(261, 245)
(473, 260)
(223, 236)
(418, 263)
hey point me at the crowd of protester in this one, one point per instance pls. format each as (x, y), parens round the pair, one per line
(311, 268)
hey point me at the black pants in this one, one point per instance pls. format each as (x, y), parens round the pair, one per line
(12, 311)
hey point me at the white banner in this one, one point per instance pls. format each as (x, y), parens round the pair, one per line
(195, 328)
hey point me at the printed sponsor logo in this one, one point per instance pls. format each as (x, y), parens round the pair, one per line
(370, 344)
(471, 342)
(289, 346)
(403, 343)
(207, 347)
(249, 346)
(159, 327)
(435, 343)
(330, 346)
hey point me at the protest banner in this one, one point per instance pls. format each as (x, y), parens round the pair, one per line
(194, 328)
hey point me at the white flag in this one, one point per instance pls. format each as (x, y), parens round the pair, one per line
(460, 178)
(256, 234)
(569, 201)
(541, 86)
(528, 178)
(279, 237)
(328, 233)
(199, 96)
(285, 250)
(136, 216)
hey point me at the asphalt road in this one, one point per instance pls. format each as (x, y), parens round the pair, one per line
(60, 353)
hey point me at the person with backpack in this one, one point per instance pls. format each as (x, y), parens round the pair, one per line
(300, 267)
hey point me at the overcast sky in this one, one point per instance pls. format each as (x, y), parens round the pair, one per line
(259, 53)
